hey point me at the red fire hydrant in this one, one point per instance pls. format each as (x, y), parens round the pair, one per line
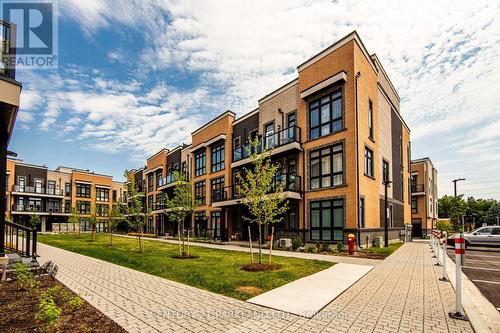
(350, 243)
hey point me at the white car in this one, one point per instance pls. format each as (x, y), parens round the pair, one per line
(483, 236)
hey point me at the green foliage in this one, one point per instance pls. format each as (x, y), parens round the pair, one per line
(115, 215)
(263, 195)
(93, 221)
(296, 242)
(492, 213)
(75, 302)
(24, 277)
(34, 220)
(325, 247)
(136, 216)
(48, 311)
(340, 246)
(444, 225)
(478, 210)
(74, 219)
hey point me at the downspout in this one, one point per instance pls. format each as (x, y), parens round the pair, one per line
(282, 118)
(358, 231)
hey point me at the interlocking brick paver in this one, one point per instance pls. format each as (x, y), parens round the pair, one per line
(401, 294)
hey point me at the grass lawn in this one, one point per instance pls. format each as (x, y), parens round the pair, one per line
(214, 270)
(384, 250)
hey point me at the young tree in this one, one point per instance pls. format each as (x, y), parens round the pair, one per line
(262, 194)
(179, 207)
(114, 217)
(34, 220)
(74, 219)
(493, 214)
(93, 220)
(453, 208)
(137, 217)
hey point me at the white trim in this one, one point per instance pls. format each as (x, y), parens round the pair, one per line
(83, 182)
(228, 112)
(103, 186)
(209, 142)
(174, 150)
(246, 116)
(325, 83)
(279, 90)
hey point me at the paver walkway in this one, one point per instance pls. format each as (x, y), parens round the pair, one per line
(401, 294)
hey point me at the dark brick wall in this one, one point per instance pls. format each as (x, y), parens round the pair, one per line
(174, 158)
(245, 127)
(397, 132)
(31, 173)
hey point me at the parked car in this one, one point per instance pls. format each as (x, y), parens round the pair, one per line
(484, 236)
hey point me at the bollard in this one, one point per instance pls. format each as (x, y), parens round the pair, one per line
(438, 247)
(445, 247)
(459, 261)
(434, 245)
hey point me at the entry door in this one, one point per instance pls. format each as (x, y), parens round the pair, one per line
(269, 135)
(38, 186)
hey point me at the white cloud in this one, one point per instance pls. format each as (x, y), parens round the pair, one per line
(443, 57)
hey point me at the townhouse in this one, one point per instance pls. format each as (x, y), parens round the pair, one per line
(424, 196)
(54, 194)
(338, 137)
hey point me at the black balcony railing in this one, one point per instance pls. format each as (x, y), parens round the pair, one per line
(37, 190)
(7, 51)
(417, 188)
(170, 178)
(38, 209)
(281, 138)
(290, 183)
(20, 239)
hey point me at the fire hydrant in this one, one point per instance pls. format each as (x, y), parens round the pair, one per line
(351, 243)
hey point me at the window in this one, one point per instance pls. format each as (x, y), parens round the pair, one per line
(385, 171)
(200, 192)
(21, 181)
(218, 189)
(414, 205)
(67, 189)
(158, 176)
(325, 115)
(237, 142)
(114, 195)
(101, 194)
(83, 190)
(7, 184)
(51, 187)
(102, 210)
(361, 212)
(67, 206)
(292, 119)
(370, 118)
(199, 163)
(151, 181)
(326, 167)
(217, 158)
(269, 135)
(38, 186)
(368, 162)
(83, 206)
(327, 220)
(150, 202)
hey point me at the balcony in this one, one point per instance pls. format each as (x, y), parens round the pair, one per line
(288, 138)
(417, 189)
(37, 190)
(230, 195)
(169, 180)
(38, 209)
(7, 51)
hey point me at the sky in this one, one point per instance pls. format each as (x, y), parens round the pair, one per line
(136, 76)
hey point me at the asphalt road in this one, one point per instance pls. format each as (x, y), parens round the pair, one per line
(482, 267)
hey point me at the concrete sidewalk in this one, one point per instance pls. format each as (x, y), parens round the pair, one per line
(290, 254)
(401, 294)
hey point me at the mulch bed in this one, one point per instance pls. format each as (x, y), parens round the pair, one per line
(184, 257)
(260, 267)
(19, 308)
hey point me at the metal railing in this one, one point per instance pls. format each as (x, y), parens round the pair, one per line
(38, 209)
(37, 190)
(20, 239)
(280, 138)
(417, 188)
(170, 178)
(289, 182)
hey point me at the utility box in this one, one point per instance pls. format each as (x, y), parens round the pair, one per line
(378, 242)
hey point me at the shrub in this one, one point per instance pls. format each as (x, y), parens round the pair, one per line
(24, 276)
(296, 242)
(340, 246)
(75, 302)
(444, 225)
(48, 311)
(325, 247)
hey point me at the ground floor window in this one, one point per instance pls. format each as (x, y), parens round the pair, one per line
(290, 219)
(216, 221)
(200, 224)
(327, 220)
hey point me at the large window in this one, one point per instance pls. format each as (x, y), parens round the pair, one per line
(327, 220)
(151, 180)
(83, 207)
(102, 210)
(200, 192)
(362, 222)
(368, 162)
(326, 167)
(325, 115)
(67, 189)
(218, 189)
(150, 202)
(370, 118)
(83, 190)
(385, 171)
(414, 205)
(199, 163)
(217, 158)
(101, 194)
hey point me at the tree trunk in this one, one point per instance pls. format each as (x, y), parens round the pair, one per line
(179, 235)
(260, 243)
(271, 246)
(189, 231)
(250, 240)
(183, 242)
